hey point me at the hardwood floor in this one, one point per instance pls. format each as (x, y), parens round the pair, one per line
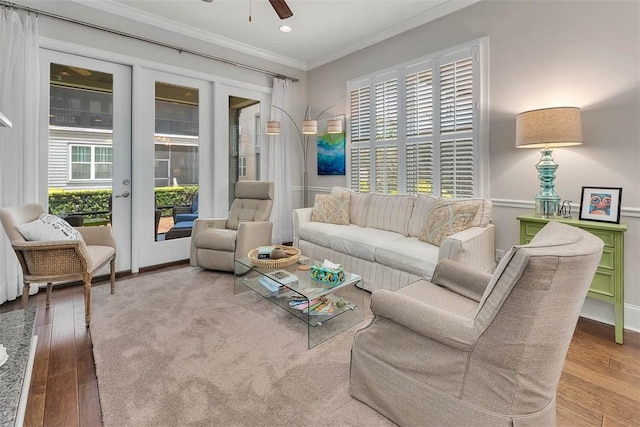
(600, 383)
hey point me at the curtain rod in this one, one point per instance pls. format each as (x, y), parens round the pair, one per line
(143, 39)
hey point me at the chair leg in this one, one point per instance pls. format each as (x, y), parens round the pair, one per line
(87, 299)
(112, 266)
(49, 287)
(25, 294)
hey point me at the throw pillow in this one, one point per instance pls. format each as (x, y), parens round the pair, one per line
(331, 209)
(447, 218)
(48, 227)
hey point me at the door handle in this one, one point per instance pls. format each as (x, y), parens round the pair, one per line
(124, 194)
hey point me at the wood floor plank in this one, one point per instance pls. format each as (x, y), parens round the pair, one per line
(34, 415)
(89, 404)
(583, 391)
(61, 406)
(605, 377)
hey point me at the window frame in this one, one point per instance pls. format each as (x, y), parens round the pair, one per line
(478, 50)
(92, 163)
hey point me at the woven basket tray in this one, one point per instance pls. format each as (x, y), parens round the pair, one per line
(274, 263)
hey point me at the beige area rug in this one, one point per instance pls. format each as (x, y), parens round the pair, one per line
(178, 348)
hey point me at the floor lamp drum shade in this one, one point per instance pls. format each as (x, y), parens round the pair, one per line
(547, 128)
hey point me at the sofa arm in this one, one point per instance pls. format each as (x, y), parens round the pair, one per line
(439, 325)
(461, 279)
(473, 247)
(300, 216)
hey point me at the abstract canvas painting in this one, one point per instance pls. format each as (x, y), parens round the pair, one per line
(331, 153)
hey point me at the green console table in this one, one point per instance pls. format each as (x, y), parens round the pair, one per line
(608, 283)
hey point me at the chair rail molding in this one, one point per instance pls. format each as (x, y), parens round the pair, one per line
(530, 205)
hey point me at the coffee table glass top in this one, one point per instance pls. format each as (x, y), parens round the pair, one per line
(312, 301)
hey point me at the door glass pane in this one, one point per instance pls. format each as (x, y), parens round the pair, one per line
(176, 160)
(80, 144)
(244, 141)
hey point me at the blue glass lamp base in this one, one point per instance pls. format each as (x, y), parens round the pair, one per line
(547, 207)
(547, 201)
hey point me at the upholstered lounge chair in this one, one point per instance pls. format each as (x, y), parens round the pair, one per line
(50, 261)
(217, 242)
(473, 349)
(186, 213)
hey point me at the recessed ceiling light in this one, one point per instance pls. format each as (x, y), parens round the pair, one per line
(285, 29)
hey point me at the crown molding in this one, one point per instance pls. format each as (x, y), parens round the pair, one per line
(186, 30)
(442, 9)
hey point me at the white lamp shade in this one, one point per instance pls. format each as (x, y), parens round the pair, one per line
(310, 127)
(334, 126)
(273, 127)
(549, 127)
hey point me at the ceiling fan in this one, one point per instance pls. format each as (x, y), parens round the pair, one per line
(280, 6)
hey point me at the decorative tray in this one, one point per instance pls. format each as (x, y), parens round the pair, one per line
(293, 256)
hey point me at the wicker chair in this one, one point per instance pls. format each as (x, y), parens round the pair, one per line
(59, 260)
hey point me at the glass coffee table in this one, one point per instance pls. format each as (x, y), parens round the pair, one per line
(327, 310)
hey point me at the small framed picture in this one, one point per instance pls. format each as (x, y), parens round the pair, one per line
(601, 204)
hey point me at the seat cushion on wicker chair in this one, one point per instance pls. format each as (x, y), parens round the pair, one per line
(99, 255)
(219, 239)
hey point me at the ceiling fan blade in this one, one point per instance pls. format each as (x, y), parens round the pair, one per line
(208, 1)
(281, 8)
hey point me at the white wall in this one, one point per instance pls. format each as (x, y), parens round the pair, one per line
(542, 54)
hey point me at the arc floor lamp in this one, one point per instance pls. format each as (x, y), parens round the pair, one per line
(309, 127)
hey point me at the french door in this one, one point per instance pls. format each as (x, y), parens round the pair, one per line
(87, 144)
(172, 160)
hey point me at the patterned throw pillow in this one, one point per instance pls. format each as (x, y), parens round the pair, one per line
(447, 218)
(49, 227)
(331, 209)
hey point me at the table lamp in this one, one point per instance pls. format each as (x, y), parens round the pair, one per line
(547, 128)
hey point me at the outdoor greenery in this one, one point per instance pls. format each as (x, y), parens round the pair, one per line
(94, 205)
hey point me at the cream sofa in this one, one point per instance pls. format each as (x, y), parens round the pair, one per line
(380, 239)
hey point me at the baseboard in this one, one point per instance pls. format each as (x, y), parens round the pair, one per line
(601, 311)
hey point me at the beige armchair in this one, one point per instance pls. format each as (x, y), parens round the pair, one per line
(470, 348)
(217, 242)
(50, 261)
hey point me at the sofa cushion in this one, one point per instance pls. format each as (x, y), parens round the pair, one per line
(358, 208)
(409, 254)
(390, 212)
(362, 242)
(320, 233)
(423, 205)
(483, 216)
(446, 218)
(332, 209)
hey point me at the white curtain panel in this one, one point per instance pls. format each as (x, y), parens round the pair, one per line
(19, 98)
(279, 166)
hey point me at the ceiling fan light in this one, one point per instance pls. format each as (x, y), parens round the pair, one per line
(285, 28)
(334, 126)
(310, 127)
(273, 127)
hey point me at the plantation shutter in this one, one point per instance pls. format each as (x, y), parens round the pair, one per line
(457, 127)
(361, 169)
(359, 136)
(360, 129)
(416, 128)
(419, 128)
(386, 134)
(387, 169)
